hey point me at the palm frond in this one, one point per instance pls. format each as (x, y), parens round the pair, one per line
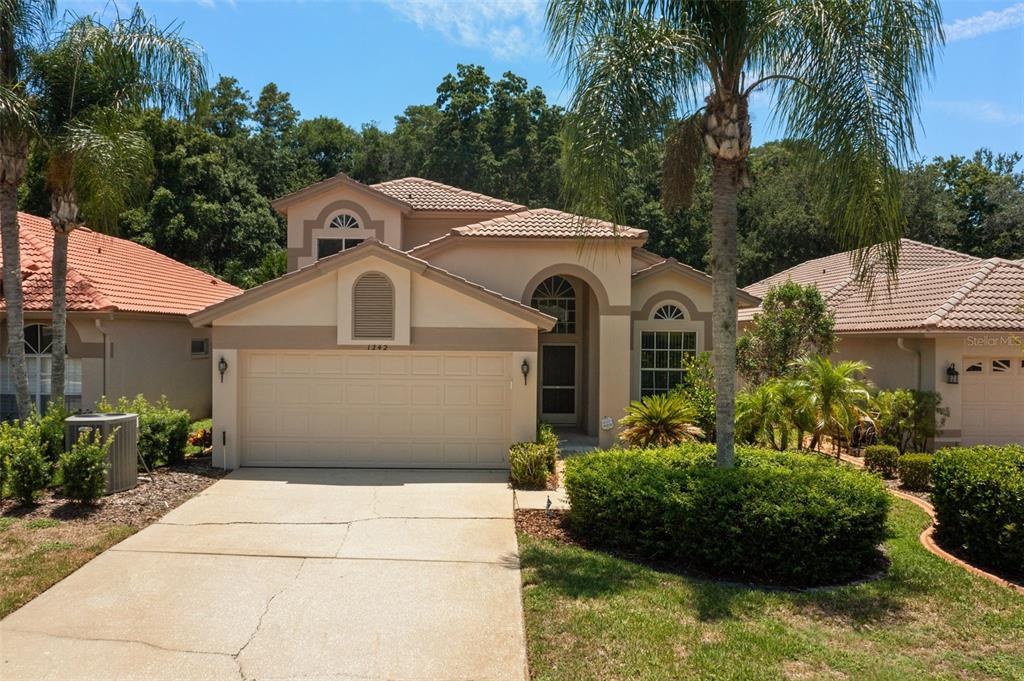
(110, 166)
(854, 71)
(684, 152)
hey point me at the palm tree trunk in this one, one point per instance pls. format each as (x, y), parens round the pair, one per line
(725, 184)
(12, 169)
(64, 218)
(60, 316)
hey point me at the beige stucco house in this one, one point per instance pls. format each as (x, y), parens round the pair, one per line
(946, 317)
(427, 326)
(128, 330)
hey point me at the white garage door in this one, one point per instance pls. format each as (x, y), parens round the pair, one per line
(352, 408)
(993, 400)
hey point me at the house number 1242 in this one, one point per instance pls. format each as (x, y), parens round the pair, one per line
(376, 347)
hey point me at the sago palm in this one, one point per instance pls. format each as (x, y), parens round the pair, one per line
(22, 23)
(845, 75)
(92, 82)
(659, 421)
(837, 395)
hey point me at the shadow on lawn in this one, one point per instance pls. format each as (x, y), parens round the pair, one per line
(579, 573)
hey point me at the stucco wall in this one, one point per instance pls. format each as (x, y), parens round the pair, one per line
(419, 228)
(891, 366)
(309, 217)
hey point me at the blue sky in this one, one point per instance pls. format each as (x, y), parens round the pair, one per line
(366, 60)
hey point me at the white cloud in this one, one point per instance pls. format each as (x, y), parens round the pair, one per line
(505, 28)
(989, 22)
(983, 110)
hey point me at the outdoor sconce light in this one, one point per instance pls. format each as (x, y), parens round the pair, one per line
(952, 375)
(222, 366)
(525, 368)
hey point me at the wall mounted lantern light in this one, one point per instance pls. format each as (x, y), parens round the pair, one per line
(525, 368)
(222, 366)
(952, 375)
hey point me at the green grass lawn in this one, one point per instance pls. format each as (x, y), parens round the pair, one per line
(35, 554)
(590, 616)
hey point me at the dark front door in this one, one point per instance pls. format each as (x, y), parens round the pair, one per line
(558, 384)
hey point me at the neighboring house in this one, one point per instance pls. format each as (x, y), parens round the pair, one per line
(127, 331)
(425, 325)
(946, 312)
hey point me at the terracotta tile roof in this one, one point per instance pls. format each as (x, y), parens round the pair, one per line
(973, 295)
(429, 195)
(107, 273)
(833, 272)
(551, 224)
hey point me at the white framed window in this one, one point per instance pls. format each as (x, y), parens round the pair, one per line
(1001, 366)
(200, 348)
(338, 236)
(39, 362)
(668, 311)
(556, 296)
(661, 359)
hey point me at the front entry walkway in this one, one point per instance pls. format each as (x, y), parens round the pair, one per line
(294, 574)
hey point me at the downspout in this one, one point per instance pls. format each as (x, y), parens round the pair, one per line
(904, 348)
(99, 327)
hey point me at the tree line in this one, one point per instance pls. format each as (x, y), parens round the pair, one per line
(216, 171)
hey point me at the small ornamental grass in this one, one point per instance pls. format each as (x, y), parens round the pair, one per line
(528, 465)
(915, 471)
(882, 459)
(84, 468)
(978, 494)
(776, 517)
(547, 438)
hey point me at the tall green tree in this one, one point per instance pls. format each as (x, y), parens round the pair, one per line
(844, 75)
(92, 83)
(22, 23)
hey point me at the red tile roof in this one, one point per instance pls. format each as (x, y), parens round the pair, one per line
(429, 195)
(107, 273)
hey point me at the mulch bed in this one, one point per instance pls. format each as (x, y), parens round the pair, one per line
(539, 525)
(154, 496)
(895, 485)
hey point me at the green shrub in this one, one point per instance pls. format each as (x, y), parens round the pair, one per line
(659, 421)
(978, 494)
(547, 438)
(699, 388)
(776, 517)
(51, 431)
(881, 459)
(163, 430)
(528, 465)
(915, 471)
(29, 471)
(84, 468)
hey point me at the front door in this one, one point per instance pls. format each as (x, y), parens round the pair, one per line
(558, 394)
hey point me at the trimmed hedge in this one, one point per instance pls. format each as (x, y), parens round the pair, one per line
(28, 469)
(528, 464)
(915, 471)
(84, 468)
(978, 494)
(883, 459)
(776, 517)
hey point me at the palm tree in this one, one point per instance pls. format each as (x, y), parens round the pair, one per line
(22, 22)
(844, 75)
(93, 82)
(837, 397)
(661, 420)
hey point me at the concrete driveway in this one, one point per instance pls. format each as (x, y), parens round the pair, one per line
(294, 574)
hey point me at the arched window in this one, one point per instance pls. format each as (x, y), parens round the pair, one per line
(38, 361)
(340, 223)
(670, 312)
(373, 308)
(557, 297)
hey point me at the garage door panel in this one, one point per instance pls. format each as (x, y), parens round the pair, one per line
(349, 408)
(992, 404)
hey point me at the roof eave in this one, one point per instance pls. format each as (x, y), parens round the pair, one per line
(281, 203)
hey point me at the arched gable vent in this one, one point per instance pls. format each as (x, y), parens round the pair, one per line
(373, 308)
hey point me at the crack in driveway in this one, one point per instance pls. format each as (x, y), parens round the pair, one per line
(259, 621)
